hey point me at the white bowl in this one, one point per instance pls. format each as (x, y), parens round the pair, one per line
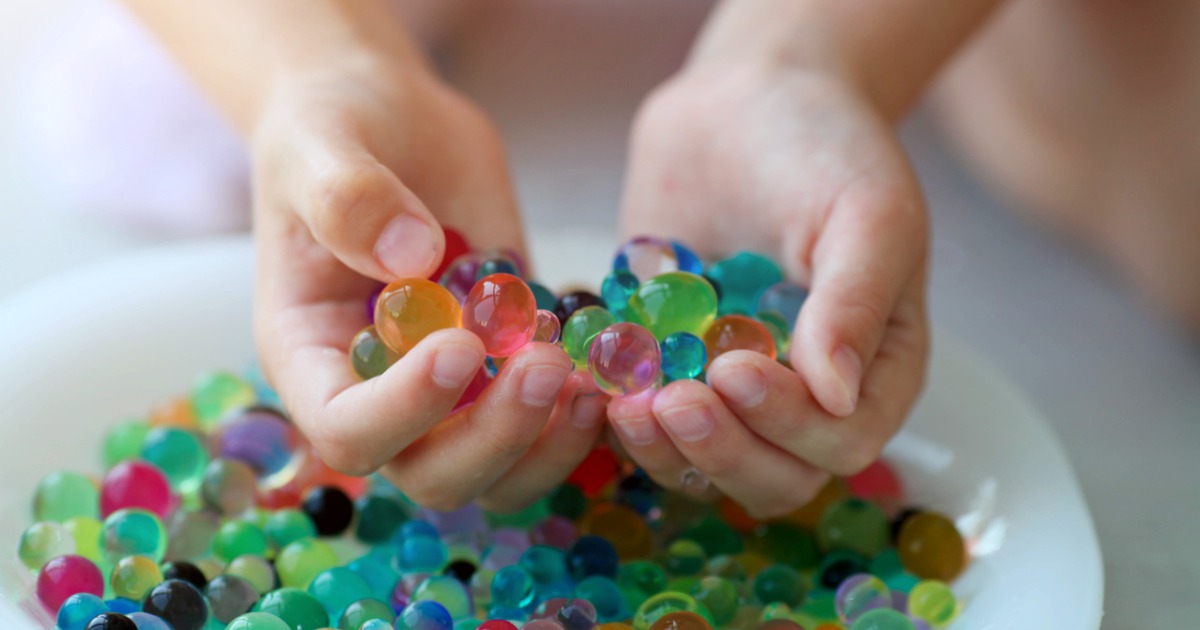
(88, 348)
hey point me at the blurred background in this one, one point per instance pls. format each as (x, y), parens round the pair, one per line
(105, 147)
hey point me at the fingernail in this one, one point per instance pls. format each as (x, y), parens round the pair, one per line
(691, 423)
(744, 385)
(455, 365)
(638, 431)
(540, 385)
(848, 367)
(587, 409)
(406, 246)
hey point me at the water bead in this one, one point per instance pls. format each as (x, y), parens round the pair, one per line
(337, 588)
(178, 453)
(498, 264)
(544, 297)
(42, 541)
(122, 605)
(178, 603)
(933, 602)
(217, 393)
(684, 558)
(424, 615)
(592, 555)
(623, 527)
(719, 596)
(228, 486)
(647, 256)
(111, 621)
(786, 543)
(258, 621)
(569, 303)
(146, 621)
(605, 596)
(683, 356)
(255, 570)
(577, 614)
(616, 289)
(230, 597)
(185, 571)
(555, 531)
(883, 619)
(624, 359)
(134, 576)
(330, 509)
(738, 332)
(236, 538)
(262, 439)
(581, 329)
(783, 299)
(779, 583)
(496, 624)
(647, 577)
(299, 610)
(62, 495)
(931, 547)
(369, 356)
(663, 604)
(879, 483)
(854, 525)
(365, 613)
(298, 563)
(502, 312)
(779, 330)
(674, 302)
(789, 624)
(547, 329)
(743, 277)
(133, 532)
(77, 610)
(418, 527)
(421, 554)
(410, 309)
(859, 593)
(512, 587)
(123, 441)
(568, 501)
(190, 534)
(456, 245)
(379, 517)
(448, 592)
(67, 575)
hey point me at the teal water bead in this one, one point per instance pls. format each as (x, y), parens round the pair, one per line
(255, 570)
(779, 583)
(581, 328)
(544, 297)
(883, 619)
(719, 596)
(133, 532)
(685, 557)
(854, 525)
(124, 441)
(674, 302)
(665, 603)
(298, 563)
(376, 624)
(288, 525)
(467, 623)
(546, 565)
(77, 610)
(421, 554)
(683, 356)
(63, 495)
(512, 587)
(378, 518)
(298, 609)
(229, 486)
(886, 564)
(258, 621)
(377, 570)
(742, 278)
(617, 288)
(42, 541)
(448, 592)
(364, 611)
(605, 596)
(337, 588)
(179, 454)
(236, 538)
(218, 393)
(783, 299)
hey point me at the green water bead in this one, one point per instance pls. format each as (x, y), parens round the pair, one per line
(255, 570)
(64, 494)
(337, 588)
(378, 518)
(715, 536)
(179, 454)
(299, 610)
(932, 601)
(363, 611)
(286, 526)
(886, 564)
(258, 621)
(642, 575)
(776, 610)
(86, 532)
(663, 603)
(568, 501)
(369, 356)
(719, 596)
(903, 582)
(217, 393)
(786, 543)
(726, 566)
(676, 301)
(526, 518)
(544, 297)
(854, 525)
(685, 557)
(236, 538)
(779, 583)
(742, 277)
(821, 605)
(683, 584)
(301, 561)
(134, 576)
(124, 441)
(581, 328)
(446, 591)
(882, 619)
(42, 541)
(133, 531)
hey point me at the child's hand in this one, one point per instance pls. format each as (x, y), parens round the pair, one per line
(799, 165)
(353, 171)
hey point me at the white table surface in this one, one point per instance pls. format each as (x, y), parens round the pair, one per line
(1120, 386)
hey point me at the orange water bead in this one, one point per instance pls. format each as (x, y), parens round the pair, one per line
(502, 312)
(681, 620)
(931, 547)
(410, 309)
(738, 332)
(623, 527)
(736, 516)
(614, 625)
(810, 514)
(176, 412)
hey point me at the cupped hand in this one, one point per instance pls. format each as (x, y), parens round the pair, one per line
(799, 165)
(355, 168)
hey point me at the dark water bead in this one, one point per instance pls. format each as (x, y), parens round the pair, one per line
(715, 536)
(639, 492)
(836, 572)
(461, 570)
(179, 603)
(111, 621)
(715, 285)
(592, 555)
(230, 596)
(577, 614)
(329, 508)
(568, 501)
(378, 518)
(900, 519)
(573, 301)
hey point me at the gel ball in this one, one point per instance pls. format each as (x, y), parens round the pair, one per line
(43, 541)
(262, 439)
(111, 621)
(124, 441)
(743, 277)
(134, 576)
(258, 621)
(738, 332)
(933, 602)
(674, 302)
(63, 495)
(65, 576)
(230, 596)
(133, 532)
(410, 309)
(548, 329)
(229, 486)
(883, 619)
(624, 359)
(78, 610)
(424, 615)
(683, 356)
(854, 525)
(648, 256)
(369, 356)
(617, 288)
(178, 453)
(297, 609)
(859, 593)
(569, 303)
(329, 508)
(218, 393)
(783, 299)
(367, 613)
(502, 312)
(456, 245)
(579, 331)
(301, 561)
(931, 547)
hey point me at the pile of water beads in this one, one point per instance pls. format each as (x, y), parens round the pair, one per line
(661, 315)
(213, 513)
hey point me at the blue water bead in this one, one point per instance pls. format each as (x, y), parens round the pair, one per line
(687, 259)
(683, 356)
(337, 588)
(146, 621)
(743, 277)
(378, 572)
(77, 610)
(605, 595)
(544, 297)
(122, 605)
(546, 565)
(592, 555)
(421, 554)
(424, 615)
(416, 527)
(617, 288)
(785, 299)
(512, 587)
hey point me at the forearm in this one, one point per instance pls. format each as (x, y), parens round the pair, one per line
(889, 48)
(239, 50)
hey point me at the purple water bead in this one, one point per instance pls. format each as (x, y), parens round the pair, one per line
(625, 359)
(511, 537)
(577, 614)
(261, 438)
(556, 531)
(860, 593)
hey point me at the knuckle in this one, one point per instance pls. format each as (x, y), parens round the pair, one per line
(335, 196)
(854, 455)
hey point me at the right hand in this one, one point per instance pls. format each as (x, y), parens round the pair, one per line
(354, 168)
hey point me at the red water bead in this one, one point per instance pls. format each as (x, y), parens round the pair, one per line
(497, 624)
(879, 483)
(65, 576)
(738, 332)
(502, 312)
(135, 484)
(473, 390)
(736, 516)
(456, 245)
(596, 471)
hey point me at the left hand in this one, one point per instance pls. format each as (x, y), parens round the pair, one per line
(799, 165)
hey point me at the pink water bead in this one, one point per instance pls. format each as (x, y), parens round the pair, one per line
(625, 359)
(548, 328)
(65, 576)
(502, 312)
(135, 484)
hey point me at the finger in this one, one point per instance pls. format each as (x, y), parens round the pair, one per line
(775, 403)
(573, 429)
(763, 478)
(871, 246)
(464, 455)
(633, 422)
